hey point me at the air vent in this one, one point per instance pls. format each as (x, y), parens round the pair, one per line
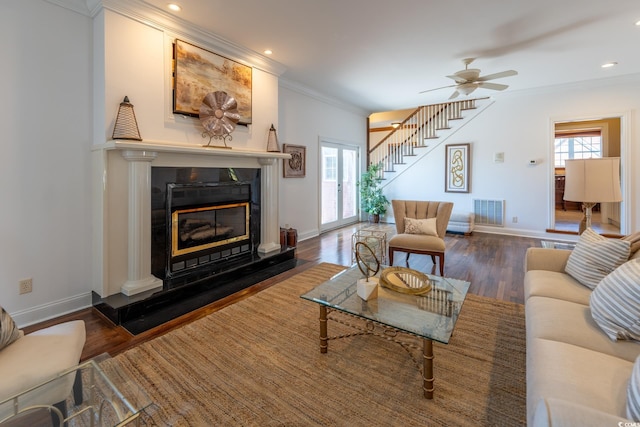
(489, 212)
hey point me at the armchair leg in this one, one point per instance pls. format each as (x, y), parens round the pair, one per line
(77, 388)
(62, 407)
(441, 265)
(391, 257)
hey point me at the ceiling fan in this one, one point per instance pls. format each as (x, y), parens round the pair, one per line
(469, 79)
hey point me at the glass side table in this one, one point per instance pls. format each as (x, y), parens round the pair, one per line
(557, 245)
(107, 400)
(375, 239)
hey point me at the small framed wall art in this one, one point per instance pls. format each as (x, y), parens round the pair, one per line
(295, 167)
(457, 168)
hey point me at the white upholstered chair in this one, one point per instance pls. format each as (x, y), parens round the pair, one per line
(425, 244)
(37, 357)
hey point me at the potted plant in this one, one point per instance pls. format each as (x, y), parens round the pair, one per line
(371, 198)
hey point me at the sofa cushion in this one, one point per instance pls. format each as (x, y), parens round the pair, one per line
(596, 256)
(633, 393)
(554, 412)
(571, 323)
(615, 303)
(555, 285)
(426, 226)
(9, 332)
(575, 374)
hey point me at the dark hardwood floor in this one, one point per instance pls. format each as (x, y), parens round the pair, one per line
(493, 264)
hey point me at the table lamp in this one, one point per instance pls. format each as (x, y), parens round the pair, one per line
(592, 181)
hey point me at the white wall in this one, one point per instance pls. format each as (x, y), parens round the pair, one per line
(137, 58)
(304, 120)
(45, 219)
(520, 125)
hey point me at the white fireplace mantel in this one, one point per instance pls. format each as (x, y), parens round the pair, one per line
(122, 184)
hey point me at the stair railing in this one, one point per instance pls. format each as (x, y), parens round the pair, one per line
(421, 125)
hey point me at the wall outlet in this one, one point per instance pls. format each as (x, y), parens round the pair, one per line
(26, 286)
(514, 220)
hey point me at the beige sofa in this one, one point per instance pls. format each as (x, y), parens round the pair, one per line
(576, 375)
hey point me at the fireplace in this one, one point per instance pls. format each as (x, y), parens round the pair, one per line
(225, 205)
(203, 221)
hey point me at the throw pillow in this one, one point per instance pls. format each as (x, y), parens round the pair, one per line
(615, 302)
(9, 332)
(420, 226)
(595, 256)
(633, 393)
(634, 241)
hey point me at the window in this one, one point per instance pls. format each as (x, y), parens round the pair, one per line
(577, 145)
(330, 168)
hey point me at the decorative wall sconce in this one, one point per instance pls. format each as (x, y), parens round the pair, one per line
(272, 141)
(126, 126)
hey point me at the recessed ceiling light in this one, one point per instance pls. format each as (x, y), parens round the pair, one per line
(268, 51)
(638, 23)
(609, 64)
(174, 7)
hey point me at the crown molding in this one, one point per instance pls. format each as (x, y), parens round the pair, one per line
(80, 6)
(304, 90)
(162, 20)
(624, 79)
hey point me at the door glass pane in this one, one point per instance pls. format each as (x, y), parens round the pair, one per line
(349, 179)
(329, 185)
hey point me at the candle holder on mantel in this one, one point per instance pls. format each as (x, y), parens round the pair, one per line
(218, 115)
(126, 126)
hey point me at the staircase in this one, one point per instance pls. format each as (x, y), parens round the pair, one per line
(425, 129)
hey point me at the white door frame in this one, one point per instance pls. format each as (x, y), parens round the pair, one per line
(324, 141)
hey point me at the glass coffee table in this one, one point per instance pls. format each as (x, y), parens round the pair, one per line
(100, 400)
(431, 316)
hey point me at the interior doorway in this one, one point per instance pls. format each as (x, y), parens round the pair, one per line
(580, 139)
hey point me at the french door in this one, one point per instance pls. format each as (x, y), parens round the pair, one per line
(338, 190)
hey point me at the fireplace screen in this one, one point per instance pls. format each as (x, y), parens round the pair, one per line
(207, 227)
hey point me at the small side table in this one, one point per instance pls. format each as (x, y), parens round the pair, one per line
(557, 245)
(375, 239)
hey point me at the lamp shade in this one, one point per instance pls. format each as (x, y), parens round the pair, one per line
(593, 180)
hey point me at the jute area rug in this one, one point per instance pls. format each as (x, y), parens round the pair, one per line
(257, 363)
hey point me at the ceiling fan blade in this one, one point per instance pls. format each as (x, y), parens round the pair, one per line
(507, 73)
(438, 88)
(457, 79)
(454, 95)
(492, 86)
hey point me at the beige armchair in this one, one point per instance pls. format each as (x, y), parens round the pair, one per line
(431, 243)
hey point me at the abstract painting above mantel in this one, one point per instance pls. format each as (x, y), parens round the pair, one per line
(198, 72)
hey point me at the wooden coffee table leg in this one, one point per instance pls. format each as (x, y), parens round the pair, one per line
(323, 329)
(427, 368)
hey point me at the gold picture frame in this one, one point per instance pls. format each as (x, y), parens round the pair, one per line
(457, 168)
(295, 167)
(198, 72)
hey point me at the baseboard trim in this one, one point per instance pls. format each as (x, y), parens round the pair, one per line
(51, 310)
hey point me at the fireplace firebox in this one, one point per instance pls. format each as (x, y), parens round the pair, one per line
(204, 220)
